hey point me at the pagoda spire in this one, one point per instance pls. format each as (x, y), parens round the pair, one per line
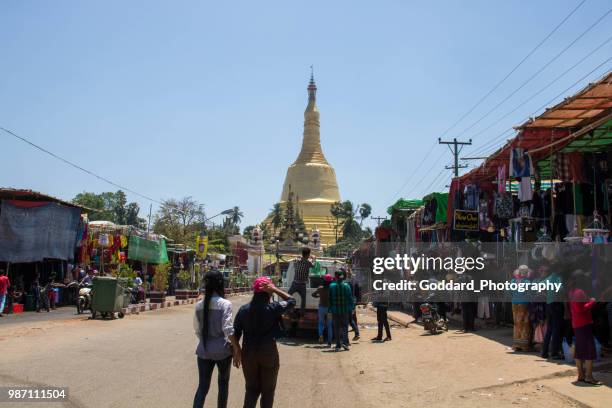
(311, 151)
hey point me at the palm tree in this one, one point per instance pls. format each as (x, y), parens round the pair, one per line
(235, 216)
(277, 217)
(364, 212)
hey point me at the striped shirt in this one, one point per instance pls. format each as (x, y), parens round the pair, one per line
(302, 270)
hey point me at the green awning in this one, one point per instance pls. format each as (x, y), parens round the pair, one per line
(442, 204)
(401, 205)
(598, 140)
(144, 250)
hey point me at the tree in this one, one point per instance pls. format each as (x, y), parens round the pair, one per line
(365, 210)
(110, 206)
(276, 215)
(248, 231)
(235, 216)
(180, 220)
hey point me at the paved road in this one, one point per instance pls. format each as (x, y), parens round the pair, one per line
(147, 360)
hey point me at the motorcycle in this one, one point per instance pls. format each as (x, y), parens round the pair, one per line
(83, 302)
(432, 321)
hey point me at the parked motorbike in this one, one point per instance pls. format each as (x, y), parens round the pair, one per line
(432, 321)
(83, 302)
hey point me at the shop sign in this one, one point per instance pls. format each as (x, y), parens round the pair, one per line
(466, 220)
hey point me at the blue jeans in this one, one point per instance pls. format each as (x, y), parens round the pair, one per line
(322, 317)
(2, 300)
(205, 370)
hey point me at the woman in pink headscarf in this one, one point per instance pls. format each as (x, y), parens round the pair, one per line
(258, 323)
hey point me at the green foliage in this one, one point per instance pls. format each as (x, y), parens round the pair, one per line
(112, 207)
(184, 278)
(277, 216)
(125, 271)
(180, 220)
(345, 215)
(160, 279)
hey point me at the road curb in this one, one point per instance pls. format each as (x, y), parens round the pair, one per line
(148, 307)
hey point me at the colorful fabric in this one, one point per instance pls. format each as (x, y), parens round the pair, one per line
(501, 178)
(522, 327)
(561, 167)
(521, 164)
(504, 206)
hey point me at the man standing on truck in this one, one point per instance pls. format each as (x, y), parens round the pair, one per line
(341, 306)
(300, 281)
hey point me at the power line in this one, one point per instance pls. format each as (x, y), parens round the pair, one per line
(536, 73)
(543, 89)
(487, 95)
(495, 140)
(411, 176)
(481, 100)
(76, 166)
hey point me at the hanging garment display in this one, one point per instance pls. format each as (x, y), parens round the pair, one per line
(525, 192)
(501, 178)
(520, 163)
(471, 194)
(503, 206)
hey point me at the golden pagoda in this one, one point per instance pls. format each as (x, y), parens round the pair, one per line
(311, 178)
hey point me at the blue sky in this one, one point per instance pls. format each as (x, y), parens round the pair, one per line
(206, 99)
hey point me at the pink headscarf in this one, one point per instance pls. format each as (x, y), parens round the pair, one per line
(327, 277)
(259, 283)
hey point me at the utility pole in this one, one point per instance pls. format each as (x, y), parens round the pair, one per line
(378, 219)
(456, 148)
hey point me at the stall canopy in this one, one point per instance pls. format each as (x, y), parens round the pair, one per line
(597, 140)
(404, 205)
(586, 111)
(33, 231)
(145, 250)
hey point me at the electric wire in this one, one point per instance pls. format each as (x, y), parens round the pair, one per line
(542, 89)
(557, 56)
(481, 100)
(76, 166)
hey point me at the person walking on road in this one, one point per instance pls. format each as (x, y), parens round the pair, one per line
(5, 283)
(582, 322)
(215, 331)
(383, 321)
(324, 317)
(300, 279)
(258, 322)
(341, 306)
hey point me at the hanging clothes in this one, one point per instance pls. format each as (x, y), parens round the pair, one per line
(503, 206)
(471, 195)
(521, 164)
(501, 178)
(525, 192)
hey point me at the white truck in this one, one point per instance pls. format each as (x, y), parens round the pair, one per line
(308, 321)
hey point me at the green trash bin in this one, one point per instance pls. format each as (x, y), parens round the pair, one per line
(107, 295)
